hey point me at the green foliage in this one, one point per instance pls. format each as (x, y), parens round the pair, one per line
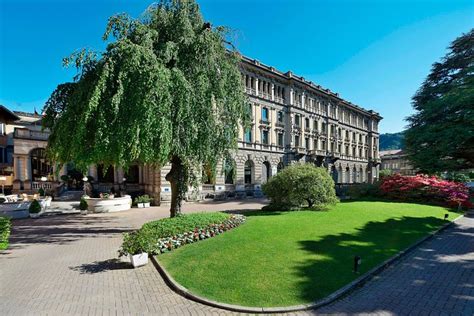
(364, 190)
(298, 185)
(35, 207)
(164, 87)
(458, 176)
(65, 178)
(83, 204)
(41, 191)
(5, 227)
(142, 199)
(134, 243)
(385, 173)
(171, 226)
(146, 239)
(441, 132)
(388, 141)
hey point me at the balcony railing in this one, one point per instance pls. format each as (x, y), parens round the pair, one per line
(279, 124)
(265, 122)
(24, 133)
(279, 100)
(317, 152)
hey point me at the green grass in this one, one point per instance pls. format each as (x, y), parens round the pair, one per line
(288, 258)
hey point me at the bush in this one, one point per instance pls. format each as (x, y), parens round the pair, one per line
(169, 233)
(83, 205)
(41, 192)
(364, 190)
(142, 199)
(299, 185)
(5, 227)
(35, 207)
(422, 188)
(134, 243)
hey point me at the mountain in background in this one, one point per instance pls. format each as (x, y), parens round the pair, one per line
(389, 141)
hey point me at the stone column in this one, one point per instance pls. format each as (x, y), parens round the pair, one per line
(256, 86)
(273, 92)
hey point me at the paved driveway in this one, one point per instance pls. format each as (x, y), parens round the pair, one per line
(67, 265)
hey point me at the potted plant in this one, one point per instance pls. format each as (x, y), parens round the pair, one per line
(83, 206)
(41, 192)
(135, 245)
(35, 209)
(142, 201)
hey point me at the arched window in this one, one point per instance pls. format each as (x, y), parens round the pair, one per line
(266, 171)
(280, 166)
(105, 175)
(229, 171)
(348, 175)
(248, 172)
(207, 175)
(40, 166)
(132, 175)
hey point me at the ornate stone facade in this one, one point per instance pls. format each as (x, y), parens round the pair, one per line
(293, 120)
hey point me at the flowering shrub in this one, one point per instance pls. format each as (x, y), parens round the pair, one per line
(425, 188)
(167, 234)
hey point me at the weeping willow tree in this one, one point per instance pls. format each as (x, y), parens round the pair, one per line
(167, 89)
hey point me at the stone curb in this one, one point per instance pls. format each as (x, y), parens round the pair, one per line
(345, 290)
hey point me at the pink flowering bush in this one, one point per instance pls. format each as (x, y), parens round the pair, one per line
(425, 188)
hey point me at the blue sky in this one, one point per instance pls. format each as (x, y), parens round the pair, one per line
(375, 53)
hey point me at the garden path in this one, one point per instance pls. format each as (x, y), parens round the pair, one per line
(67, 265)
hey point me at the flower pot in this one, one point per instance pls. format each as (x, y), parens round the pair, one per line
(146, 204)
(139, 260)
(34, 215)
(141, 205)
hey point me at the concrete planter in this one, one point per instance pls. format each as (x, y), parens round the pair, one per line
(98, 205)
(139, 260)
(143, 205)
(35, 215)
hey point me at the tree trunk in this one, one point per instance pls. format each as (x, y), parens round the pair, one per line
(178, 177)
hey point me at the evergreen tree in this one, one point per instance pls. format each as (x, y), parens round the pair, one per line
(441, 132)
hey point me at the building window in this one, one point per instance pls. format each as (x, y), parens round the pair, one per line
(280, 139)
(297, 141)
(280, 116)
(339, 148)
(323, 145)
(265, 114)
(315, 144)
(306, 122)
(248, 135)
(248, 172)
(297, 120)
(315, 127)
(306, 142)
(265, 137)
(323, 127)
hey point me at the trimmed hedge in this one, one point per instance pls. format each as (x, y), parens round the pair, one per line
(166, 234)
(5, 227)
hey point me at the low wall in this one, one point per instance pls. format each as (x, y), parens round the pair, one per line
(119, 204)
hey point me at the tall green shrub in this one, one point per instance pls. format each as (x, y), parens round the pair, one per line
(5, 226)
(300, 185)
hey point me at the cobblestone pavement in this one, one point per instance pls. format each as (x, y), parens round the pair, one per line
(67, 265)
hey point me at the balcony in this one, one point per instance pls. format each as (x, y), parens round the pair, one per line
(280, 124)
(307, 130)
(299, 150)
(23, 133)
(250, 91)
(264, 95)
(317, 152)
(265, 122)
(279, 100)
(296, 127)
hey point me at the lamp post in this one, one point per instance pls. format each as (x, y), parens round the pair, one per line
(3, 179)
(85, 179)
(43, 179)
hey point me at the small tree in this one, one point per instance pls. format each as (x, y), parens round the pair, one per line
(35, 207)
(83, 204)
(168, 89)
(299, 185)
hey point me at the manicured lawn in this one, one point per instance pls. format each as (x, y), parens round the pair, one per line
(282, 259)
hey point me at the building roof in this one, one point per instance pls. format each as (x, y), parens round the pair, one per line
(8, 114)
(390, 152)
(291, 76)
